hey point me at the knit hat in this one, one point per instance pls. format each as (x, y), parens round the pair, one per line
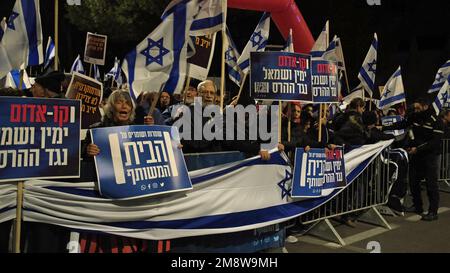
(51, 81)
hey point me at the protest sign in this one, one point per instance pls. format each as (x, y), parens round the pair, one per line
(137, 161)
(324, 82)
(90, 92)
(39, 138)
(199, 64)
(95, 49)
(280, 76)
(317, 170)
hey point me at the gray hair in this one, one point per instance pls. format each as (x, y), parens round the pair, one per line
(113, 98)
(203, 83)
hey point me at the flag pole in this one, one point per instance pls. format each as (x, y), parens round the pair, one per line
(289, 121)
(280, 113)
(241, 87)
(56, 34)
(222, 78)
(18, 223)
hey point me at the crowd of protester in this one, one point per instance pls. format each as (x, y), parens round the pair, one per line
(354, 126)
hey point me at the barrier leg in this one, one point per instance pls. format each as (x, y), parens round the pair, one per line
(324, 229)
(385, 210)
(444, 186)
(373, 216)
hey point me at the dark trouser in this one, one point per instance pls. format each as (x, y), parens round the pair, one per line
(424, 167)
(5, 229)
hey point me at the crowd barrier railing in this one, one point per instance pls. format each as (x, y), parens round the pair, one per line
(361, 198)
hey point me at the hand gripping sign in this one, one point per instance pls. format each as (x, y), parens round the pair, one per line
(286, 15)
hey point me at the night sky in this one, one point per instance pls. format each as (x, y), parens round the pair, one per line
(413, 34)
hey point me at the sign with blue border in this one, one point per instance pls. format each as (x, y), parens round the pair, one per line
(138, 161)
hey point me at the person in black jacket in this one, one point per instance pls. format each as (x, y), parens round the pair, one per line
(349, 127)
(424, 149)
(375, 134)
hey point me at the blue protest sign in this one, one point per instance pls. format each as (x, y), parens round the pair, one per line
(324, 82)
(39, 138)
(334, 169)
(308, 177)
(389, 120)
(280, 76)
(137, 161)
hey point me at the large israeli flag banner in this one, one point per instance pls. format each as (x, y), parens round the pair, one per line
(231, 57)
(369, 68)
(441, 75)
(334, 53)
(159, 61)
(22, 39)
(321, 44)
(393, 92)
(257, 42)
(209, 19)
(239, 196)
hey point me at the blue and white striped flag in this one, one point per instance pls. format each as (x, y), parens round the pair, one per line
(443, 97)
(22, 39)
(289, 47)
(159, 61)
(441, 75)
(321, 44)
(77, 66)
(13, 80)
(116, 72)
(393, 92)
(49, 52)
(257, 42)
(231, 57)
(97, 75)
(209, 19)
(369, 68)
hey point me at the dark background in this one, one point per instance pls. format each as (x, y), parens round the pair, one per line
(413, 34)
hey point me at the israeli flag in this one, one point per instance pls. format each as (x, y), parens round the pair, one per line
(321, 44)
(334, 53)
(209, 19)
(13, 80)
(231, 57)
(77, 66)
(441, 75)
(49, 52)
(97, 75)
(116, 72)
(369, 68)
(393, 92)
(22, 39)
(159, 61)
(257, 42)
(289, 47)
(443, 97)
(2, 28)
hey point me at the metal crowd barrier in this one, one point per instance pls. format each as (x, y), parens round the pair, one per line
(369, 190)
(444, 171)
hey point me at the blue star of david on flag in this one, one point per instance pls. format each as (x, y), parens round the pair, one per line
(386, 93)
(256, 38)
(285, 192)
(11, 19)
(372, 66)
(444, 97)
(152, 46)
(229, 55)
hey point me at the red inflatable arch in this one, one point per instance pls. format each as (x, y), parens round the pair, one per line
(285, 14)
